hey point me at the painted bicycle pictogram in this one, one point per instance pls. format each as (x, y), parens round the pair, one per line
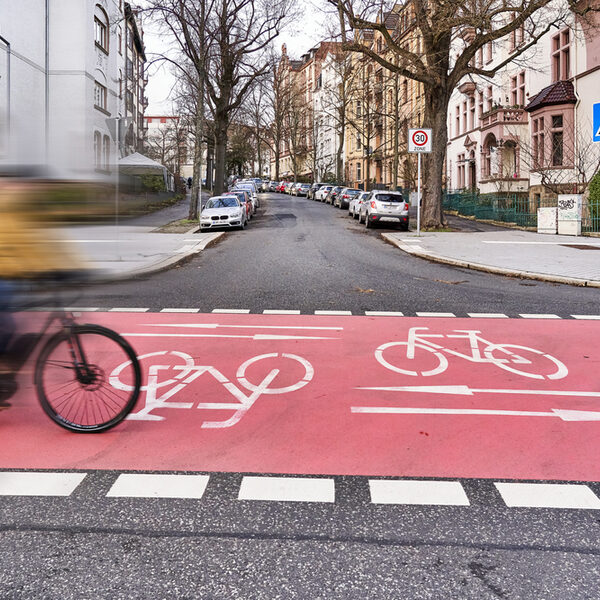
(245, 391)
(426, 358)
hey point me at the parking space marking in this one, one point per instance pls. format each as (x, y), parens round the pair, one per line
(31, 483)
(287, 489)
(443, 493)
(146, 485)
(334, 312)
(548, 495)
(180, 310)
(280, 312)
(435, 314)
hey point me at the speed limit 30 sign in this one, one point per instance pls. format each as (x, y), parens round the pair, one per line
(419, 140)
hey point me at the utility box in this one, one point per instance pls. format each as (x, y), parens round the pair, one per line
(569, 214)
(547, 220)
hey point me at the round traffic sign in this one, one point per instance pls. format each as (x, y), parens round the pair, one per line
(420, 137)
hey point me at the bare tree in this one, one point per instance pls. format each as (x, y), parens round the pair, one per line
(168, 145)
(448, 35)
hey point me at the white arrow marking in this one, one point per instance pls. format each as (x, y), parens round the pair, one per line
(258, 336)
(565, 415)
(216, 325)
(464, 390)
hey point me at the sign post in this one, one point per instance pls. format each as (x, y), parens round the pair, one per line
(419, 142)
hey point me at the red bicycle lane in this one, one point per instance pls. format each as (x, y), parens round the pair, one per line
(307, 394)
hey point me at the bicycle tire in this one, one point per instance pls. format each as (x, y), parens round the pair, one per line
(67, 419)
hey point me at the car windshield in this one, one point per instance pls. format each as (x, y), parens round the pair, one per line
(389, 198)
(222, 203)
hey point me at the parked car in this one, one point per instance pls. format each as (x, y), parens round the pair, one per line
(313, 189)
(288, 185)
(246, 201)
(384, 207)
(356, 203)
(322, 192)
(223, 211)
(293, 188)
(343, 198)
(330, 198)
(250, 187)
(272, 186)
(302, 189)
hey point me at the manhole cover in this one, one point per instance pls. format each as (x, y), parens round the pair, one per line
(581, 246)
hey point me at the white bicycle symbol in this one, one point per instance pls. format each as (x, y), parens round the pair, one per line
(505, 356)
(188, 372)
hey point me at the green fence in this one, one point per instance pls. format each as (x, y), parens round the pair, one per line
(590, 218)
(506, 208)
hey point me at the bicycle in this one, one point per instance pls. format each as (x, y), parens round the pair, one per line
(504, 356)
(70, 380)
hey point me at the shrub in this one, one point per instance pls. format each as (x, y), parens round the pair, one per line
(594, 196)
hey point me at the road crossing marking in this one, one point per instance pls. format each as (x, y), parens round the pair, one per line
(548, 495)
(287, 489)
(146, 485)
(446, 493)
(31, 483)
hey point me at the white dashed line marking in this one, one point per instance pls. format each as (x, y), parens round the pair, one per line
(542, 316)
(39, 484)
(587, 317)
(143, 485)
(488, 315)
(333, 312)
(129, 310)
(443, 493)
(180, 310)
(548, 495)
(382, 313)
(280, 312)
(287, 489)
(435, 314)
(232, 311)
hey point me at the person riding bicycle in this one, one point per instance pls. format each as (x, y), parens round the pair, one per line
(28, 253)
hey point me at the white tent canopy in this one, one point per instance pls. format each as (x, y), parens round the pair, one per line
(138, 164)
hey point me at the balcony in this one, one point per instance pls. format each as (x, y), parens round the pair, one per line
(503, 116)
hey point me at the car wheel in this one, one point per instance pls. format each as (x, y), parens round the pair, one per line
(404, 226)
(368, 223)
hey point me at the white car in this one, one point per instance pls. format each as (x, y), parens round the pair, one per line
(384, 207)
(250, 187)
(356, 203)
(321, 193)
(223, 211)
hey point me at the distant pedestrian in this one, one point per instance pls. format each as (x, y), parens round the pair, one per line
(189, 183)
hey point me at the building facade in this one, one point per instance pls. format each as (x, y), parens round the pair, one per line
(67, 69)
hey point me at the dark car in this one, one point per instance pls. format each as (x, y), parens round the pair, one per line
(344, 198)
(313, 188)
(333, 194)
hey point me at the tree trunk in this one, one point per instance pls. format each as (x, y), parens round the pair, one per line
(436, 111)
(221, 125)
(197, 172)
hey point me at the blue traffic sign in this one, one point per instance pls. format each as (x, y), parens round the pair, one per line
(596, 131)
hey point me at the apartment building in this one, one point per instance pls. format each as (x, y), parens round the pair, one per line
(528, 131)
(66, 69)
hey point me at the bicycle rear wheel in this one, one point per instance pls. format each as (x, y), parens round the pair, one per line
(72, 378)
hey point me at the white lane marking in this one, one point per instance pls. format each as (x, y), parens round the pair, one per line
(180, 310)
(541, 316)
(464, 390)
(232, 311)
(145, 485)
(443, 493)
(129, 310)
(541, 243)
(548, 495)
(587, 317)
(17, 483)
(255, 337)
(80, 309)
(435, 314)
(333, 312)
(287, 489)
(382, 313)
(280, 312)
(565, 415)
(488, 315)
(217, 326)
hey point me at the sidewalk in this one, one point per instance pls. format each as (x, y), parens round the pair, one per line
(137, 246)
(562, 259)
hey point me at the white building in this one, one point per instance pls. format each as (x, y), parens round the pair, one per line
(532, 123)
(65, 68)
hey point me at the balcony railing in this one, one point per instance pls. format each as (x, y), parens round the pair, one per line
(509, 116)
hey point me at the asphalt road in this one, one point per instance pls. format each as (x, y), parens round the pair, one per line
(302, 255)
(298, 254)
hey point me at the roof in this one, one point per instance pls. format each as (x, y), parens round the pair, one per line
(138, 164)
(560, 92)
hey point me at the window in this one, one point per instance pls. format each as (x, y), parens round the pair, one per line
(101, 29)
(538, 142)
(517, 36)
(99, 96)
(128, 101)
(480, 104)
(129, 69)
(358, 173)
(514, 90)
(489, 100)
(464, 120)
(479, 58)
(106, 152)
(561, 60)
(489, 52)
(97, 149)
(557, 141)
(521, 101)
(457, 120)
(472, 112)
(358, 109)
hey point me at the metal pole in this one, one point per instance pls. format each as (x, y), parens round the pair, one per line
(118, 136)
(419, 194)
(8, 110)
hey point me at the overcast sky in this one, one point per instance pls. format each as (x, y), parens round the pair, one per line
(303, 35)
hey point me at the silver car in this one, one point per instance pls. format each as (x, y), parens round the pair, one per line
(223, 211)
(356, 203)
(382, 206)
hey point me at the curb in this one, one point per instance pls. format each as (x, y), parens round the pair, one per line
(163, 264)
(431, 256)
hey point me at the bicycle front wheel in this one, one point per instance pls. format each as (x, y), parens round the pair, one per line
(72, 378)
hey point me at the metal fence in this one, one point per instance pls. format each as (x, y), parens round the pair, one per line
(590, 218)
